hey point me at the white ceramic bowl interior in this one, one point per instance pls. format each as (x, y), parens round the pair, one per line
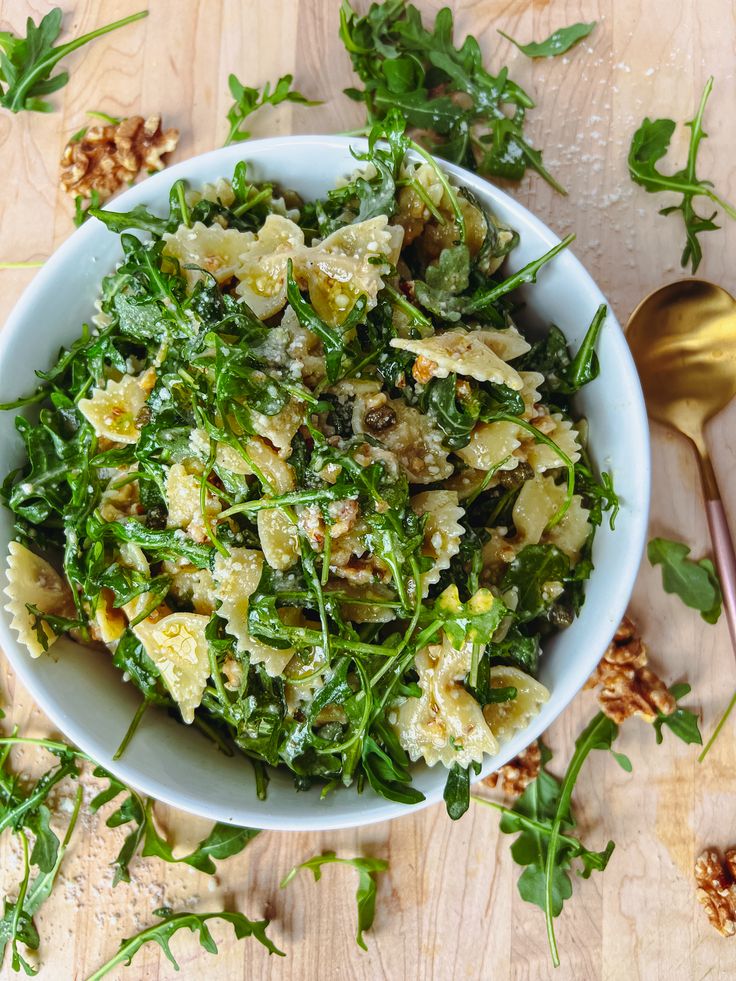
(85, 695)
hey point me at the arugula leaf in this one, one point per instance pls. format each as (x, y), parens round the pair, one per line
(531, 570)
(456, 794)
(248, 100)
(223, 840)
(649, 145)
(465, 114)
(366, 894)
(475, 621)
(161, 933)
(682, 722)
(23, 809)
(696, 583)
(543, 818)
(557, 43)
(26, 63)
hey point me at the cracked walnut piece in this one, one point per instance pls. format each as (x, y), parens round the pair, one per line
(110, 155)
(717, 889)
(517, 774)
(627, 686)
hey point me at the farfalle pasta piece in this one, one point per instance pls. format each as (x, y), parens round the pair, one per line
(236, 579)
(538, 501)
(113, 411)
(30, 579)
(492, 444)
(408, 434)
(282, 427)
(506, 718)
(507, 344)
(178, 647)
(183, 502)
(261, 272)
(445, 725)
(219, 192)
(109, 623)
(442, 532)
(530, 393)
(561, 431)
(344, 266)
(193, 586)
(462, 352)
(279, 474)
(279, 538)
(211, 248)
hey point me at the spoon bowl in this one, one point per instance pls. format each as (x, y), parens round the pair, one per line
(683, 338)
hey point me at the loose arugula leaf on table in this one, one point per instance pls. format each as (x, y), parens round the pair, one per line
(366, 894)
(682, 722)
(649, 145)
(557, 43)
(26, 63)
(543, 818)
(223, 840)
(161, 933)
(248, 100)
(466, 114)
(23, 809)
(696, 583)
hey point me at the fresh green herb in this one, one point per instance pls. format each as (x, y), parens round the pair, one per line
(26, 63)
(366, 894)
(546, 847)
(469, 116)
(248, 100)
(696, 583)
(84, 209)
(24, 810)
(161, 933)
(456, 794)
(223, 840)
(682, 722)
(649, 145)
(557, 43)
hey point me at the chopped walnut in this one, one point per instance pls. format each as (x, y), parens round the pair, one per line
(515, 776)
(110, 155)
(627, 686)
(424, 369)
(717, 889)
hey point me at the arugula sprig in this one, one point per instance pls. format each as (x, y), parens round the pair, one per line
(26, 63)
(24, 810)
(223, 840)
(248, 100)
(543, 818)
(556, 44)
(365, 897)
(161, 934)
(696, 583)
(470, 116)
(649, 145)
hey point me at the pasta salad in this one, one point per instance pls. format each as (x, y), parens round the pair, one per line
(307, 479)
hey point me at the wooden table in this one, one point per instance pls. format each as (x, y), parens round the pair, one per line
(448, 908)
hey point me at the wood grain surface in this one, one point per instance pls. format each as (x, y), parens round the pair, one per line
(448, 908)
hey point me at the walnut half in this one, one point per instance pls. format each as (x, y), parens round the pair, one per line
(517, 774)
(628, 687)
(717, 889)
(112, 154)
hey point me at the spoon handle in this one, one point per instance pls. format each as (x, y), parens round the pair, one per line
(725, 560)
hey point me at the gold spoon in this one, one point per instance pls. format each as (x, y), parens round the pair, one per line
(683, 338)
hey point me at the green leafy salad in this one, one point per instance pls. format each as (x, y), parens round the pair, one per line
(306, 479)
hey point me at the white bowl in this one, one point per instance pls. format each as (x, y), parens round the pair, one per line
(85, 695)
